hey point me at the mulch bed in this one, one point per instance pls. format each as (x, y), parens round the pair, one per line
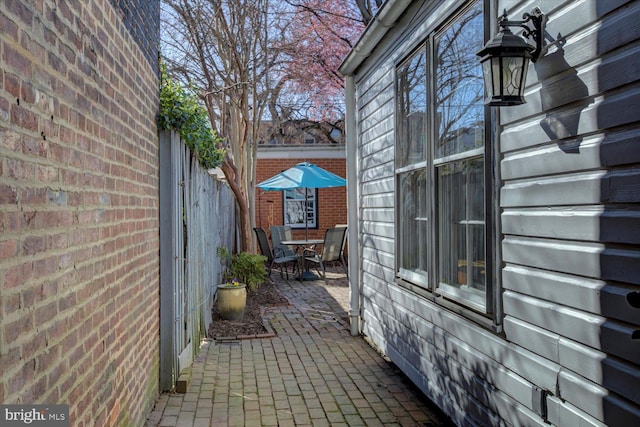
(251, 325)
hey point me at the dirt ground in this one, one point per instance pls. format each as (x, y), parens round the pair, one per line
(267, 294)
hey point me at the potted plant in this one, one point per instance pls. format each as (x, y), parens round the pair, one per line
(231, 299)
(242, 270)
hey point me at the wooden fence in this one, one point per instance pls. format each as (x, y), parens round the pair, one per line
(197, 215)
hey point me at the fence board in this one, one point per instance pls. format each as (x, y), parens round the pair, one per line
(200, 218)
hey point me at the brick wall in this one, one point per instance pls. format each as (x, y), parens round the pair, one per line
(142, 20)
(79, 269)
(332, 202)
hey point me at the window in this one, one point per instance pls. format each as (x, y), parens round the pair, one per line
(336, 134)
(410, 168)
(440, 165)
(294, 208)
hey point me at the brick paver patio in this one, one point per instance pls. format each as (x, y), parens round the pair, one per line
(312, 373)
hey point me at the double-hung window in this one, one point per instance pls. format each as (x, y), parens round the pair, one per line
(441, 165)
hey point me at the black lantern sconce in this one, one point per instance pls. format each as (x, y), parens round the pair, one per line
(505, 59)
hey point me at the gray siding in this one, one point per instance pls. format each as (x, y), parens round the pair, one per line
(570, 214)
(569, 231)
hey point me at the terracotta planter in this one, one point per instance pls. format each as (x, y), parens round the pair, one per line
(232, 301)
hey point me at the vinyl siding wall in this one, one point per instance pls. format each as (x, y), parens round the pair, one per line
(569, 232)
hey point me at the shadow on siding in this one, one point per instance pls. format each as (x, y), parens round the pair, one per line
(600, 375)
(440, 365)
(620, 220)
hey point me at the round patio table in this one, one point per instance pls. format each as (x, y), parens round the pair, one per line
(301, 243)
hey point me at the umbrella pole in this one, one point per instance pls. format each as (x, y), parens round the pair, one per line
(306, 215)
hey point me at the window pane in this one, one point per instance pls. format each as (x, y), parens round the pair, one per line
(411, 104)
(461, 228)
(440, 174)
(459, 85)
(413, 257)
(294, 208)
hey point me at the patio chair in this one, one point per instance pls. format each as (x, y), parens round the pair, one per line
(279, 233)
(334, 239)
(344, 243)
(275, 256)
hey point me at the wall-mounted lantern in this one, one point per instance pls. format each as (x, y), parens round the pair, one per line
(505, 59)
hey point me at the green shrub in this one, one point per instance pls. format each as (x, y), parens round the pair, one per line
(245, 267)
(181, 110)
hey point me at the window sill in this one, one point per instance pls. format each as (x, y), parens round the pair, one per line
(481, 319)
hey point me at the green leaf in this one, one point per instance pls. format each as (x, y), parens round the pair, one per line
(181, 110)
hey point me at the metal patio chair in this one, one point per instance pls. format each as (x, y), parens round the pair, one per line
(280, 233)
(344, 243)
(275, 256)
(332, 250)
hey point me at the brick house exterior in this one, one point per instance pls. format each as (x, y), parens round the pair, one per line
(79, 243)
(332, 202)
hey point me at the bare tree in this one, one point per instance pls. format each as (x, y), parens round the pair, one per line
(261, 60)
(222, 48)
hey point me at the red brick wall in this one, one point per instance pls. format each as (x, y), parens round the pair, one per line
(332, 202)
(79, 272)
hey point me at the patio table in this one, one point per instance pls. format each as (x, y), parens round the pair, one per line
(301, 243)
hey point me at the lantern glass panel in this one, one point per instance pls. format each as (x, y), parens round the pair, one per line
(488, 87)
(496, 75)
(514, 70)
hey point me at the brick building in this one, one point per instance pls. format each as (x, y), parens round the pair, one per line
(79, 263)
(331, 203)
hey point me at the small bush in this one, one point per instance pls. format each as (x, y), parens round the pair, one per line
(245, 267)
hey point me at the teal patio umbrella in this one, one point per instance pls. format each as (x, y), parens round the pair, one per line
(303, 175)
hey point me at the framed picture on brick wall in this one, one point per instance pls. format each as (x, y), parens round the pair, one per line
(294, 208)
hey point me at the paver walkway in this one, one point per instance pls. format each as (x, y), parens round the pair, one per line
(312, 373)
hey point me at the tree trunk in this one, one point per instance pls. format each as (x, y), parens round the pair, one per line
(244, 214)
